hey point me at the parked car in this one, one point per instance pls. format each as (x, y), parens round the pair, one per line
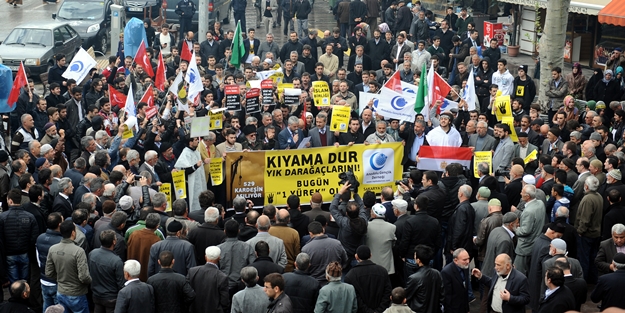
(35, 44)
(90, 18)
(218, 10)
(135, 8)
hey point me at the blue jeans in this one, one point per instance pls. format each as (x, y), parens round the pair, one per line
(587, 249)
(17, 267)
(49, 296)
(302, 28)
(75, 304)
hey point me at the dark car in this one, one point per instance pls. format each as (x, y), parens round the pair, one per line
(90, 18)
(142, 9)
(218, 10)
(36, 43)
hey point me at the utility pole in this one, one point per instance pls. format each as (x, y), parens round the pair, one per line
(202, 24)
(552, 44)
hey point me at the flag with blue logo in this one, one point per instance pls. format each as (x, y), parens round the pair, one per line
(194, 79)
(393, 105)
(363, 101)
(448, 105)
(469, 95)
(6, 84)
(80, 66)
(134, 34)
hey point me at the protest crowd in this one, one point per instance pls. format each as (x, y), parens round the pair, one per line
(538, 222)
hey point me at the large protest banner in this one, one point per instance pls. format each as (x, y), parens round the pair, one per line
(270, 177)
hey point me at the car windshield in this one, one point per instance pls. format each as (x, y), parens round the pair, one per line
(30, 36)
(74, 10)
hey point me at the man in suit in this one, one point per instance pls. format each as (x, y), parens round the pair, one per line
(540, 251)
(84, 188)
(526, 127)
(136, 296)
(558, 297)
(609, 287)
(607, 250)
(291, 136)
(398, 50)
(359, 57)
(381, 238)
(210, 284)
(151, 158)
(552, 145)
(557, 250)
(414, 138)
(206, 235)
(62, 203)
(508, 291)
(251, 46)
(503, 151)
(321, 136)
(524, 148)
(481, 140)
(500, 242)
(514, 185)
(76, 173)
(456, 281)
(531, 224)
(577, 285)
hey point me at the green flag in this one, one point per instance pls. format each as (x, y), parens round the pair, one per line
(422, 92)
(238, 50)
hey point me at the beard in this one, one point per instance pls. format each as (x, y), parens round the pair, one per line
(464, 267)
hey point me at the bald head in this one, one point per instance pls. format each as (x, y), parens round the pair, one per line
(55, 170)
(119, 168)
(263, 224)
(517, 171)
(544, 129)
(503, 264)
(283, 216)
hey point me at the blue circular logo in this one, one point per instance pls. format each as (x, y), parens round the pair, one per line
(192, 75)
(77, 66)
(398, 103)
(408, 90)
(375, 103)
(377, 161)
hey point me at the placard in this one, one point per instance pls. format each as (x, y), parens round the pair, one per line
(291, 96)
(166, 189)
(481, 157)
(321, 93)
(216, 170)
(179, 184)
(266, 88)
(340, 118)
(200, 126)
(252, 101)
(233, 97)
(215, 120)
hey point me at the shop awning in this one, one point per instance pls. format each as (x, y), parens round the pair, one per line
(588, 7)
(613, 13)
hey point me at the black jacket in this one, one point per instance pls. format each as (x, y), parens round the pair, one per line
(561, 300)
(211, 288)
(265, 266)
(424, 290)
(461, 226)
(513, 191)
(436, 195)
(302, 8)
(450, 185)
(299, 222)
(408, 135)
(107, 273)
(420, 228)
(302, 289)
(44, 242)
(172, 292)
(19, 231)
(609, 290)
(579, 288)
(16, 305)
(204, 236)
(378, 51)
(456, 293)
(517, 286)
(373, 286)
(36, 211)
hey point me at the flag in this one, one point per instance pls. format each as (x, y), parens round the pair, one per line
(448, 105)
(364, 98)
(134, 33)
(148, 96)
(161, 74)
(436, 158)
(19, 82)
(80, 66)
(409, 91)
(6, 83)
(185, 54)
(130, 108)
(179, 89)
(429, 81)
(422, 93)
(394, 83)
(392, 105)
(440, 89)
(141, 58)
(469, 95)
(193, 78)
(238, 50)
(117, 98)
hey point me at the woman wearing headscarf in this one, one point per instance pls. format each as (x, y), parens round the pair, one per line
(607, 89)
(592, 82)
(577, 81)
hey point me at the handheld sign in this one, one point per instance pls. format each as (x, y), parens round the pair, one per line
(252, 101)
(266, 88)
(321, 93)
(233, 98)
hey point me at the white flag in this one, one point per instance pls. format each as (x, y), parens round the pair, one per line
(428, 101)
(80, 66)
(174, 86)
(130, 103)
(194, 79)
(469, 91)
(394, 105)
(364, 98)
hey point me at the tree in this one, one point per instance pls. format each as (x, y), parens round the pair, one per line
(552, 44)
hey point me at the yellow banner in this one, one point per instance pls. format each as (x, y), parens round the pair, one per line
(166, 189)
(510, 121)
(215, 120)
(216, 169)
(340, 118)
(530, 157)
(480, 157)
(321, 93)
(179, 184)
(502, 107)
(281, 87)
(127, 134)
(270, 177)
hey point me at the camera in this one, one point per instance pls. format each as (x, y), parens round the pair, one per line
(351, 179)
(405, 179)
(502, 173)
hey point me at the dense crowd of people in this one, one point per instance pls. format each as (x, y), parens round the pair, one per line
(85, 228)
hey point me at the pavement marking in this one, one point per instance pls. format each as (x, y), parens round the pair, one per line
(39, 6)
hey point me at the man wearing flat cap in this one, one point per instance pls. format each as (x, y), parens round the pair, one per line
(250, 143)
(552, 145)
(500, 240)
(609, 287)
(182, 250)
(493, 220)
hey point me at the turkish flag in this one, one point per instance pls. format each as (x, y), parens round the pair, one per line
(141, 58)
(117, 98)
(185, 53)
(394, 83)
(19, 82)
(148, 97)
(161, 74)
(440, 89)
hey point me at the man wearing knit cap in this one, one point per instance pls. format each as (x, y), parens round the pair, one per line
(548, 180)
(609, 287)
(557, 249)
(336, 297)
(481, 205)
(552, 144)
(540, 251)
(250, 143)
(490, 222)
(500, 240)
(381, 238)
(371, 281)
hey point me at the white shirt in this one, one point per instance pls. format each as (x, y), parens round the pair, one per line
(165, 44)
(438, 137)
(130, 281)
(500, 285)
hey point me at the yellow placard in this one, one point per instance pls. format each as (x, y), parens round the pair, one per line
(270, 177)
(510, 121)
(217, 171)
(127, 134)
(179, 184)
(215, 120)
(166, 189)
(481, 157)
(277, 77)
(321, 93)
(340, 118)
(502, 107)
(530, 157)
(281, 87)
